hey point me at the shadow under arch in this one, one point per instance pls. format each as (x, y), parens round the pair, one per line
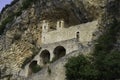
(34, 67)
(45, 55)
(59, 52)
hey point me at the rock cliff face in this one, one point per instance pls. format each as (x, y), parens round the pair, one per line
(22, 36)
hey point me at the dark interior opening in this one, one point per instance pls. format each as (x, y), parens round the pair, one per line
(34, 67)
(45, 55)
(59, 52)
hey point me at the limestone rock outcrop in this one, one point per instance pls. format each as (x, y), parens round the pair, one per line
(23, 33)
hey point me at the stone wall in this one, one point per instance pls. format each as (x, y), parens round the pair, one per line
(57, 68)
(69, 46)
(85, 33)
(66, 38)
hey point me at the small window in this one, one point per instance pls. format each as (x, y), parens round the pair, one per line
(77, 35)
(44, 38)
(60, 24)
(44, 27)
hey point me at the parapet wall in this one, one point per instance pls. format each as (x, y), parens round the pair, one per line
(84, 32)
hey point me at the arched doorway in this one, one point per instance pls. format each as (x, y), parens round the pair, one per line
(34, 67)
(59, 52)
(45, 55)
(77, 35)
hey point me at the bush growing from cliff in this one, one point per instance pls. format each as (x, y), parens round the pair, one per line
(110, 68)
(11, 16)
(49, 70)
(35, 67)
(17, 36)
(80, 68)
(102, 67)
(9, 19)
(18, 13)
(3, 24)
(27, 3)
(106, 59)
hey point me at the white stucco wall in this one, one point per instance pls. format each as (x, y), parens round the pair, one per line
(85, 33)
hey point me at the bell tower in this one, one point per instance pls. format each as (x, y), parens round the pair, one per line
(60, 24)
(45, 29)
(45, 26)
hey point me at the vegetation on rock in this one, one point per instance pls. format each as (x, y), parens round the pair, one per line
(105, 61)
(35, 67)
(3, 24)
(27, 3)
(9, 5)
(35, 51)
(10, 17)
(81, 68)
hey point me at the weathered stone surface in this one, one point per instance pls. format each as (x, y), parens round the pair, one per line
(25, 32)
(85, 33)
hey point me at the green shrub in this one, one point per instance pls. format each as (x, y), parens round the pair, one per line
(80, 68)
(49, 70)
(11, 16)
(17, 36)
(18, 13)
(8, 20)
(102, 52)
(36, 68)
(3, 24)
(27, 3)
(111, 66)
(105, 62)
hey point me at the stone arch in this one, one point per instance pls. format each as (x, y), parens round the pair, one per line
(45, 26)
(34, 67)
(59, 52)
(45, 55)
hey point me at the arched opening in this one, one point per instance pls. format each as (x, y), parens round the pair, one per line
(34, 67)
(60, 24)
(59, 52)
(45, 55)
(44, 27)
(77, 35)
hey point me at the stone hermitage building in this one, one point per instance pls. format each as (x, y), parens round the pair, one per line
(60, 42)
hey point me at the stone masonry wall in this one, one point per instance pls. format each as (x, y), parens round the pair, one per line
(85, 33)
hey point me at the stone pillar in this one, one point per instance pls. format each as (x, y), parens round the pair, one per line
(60, 24)
(45, 26)
(45, 29)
